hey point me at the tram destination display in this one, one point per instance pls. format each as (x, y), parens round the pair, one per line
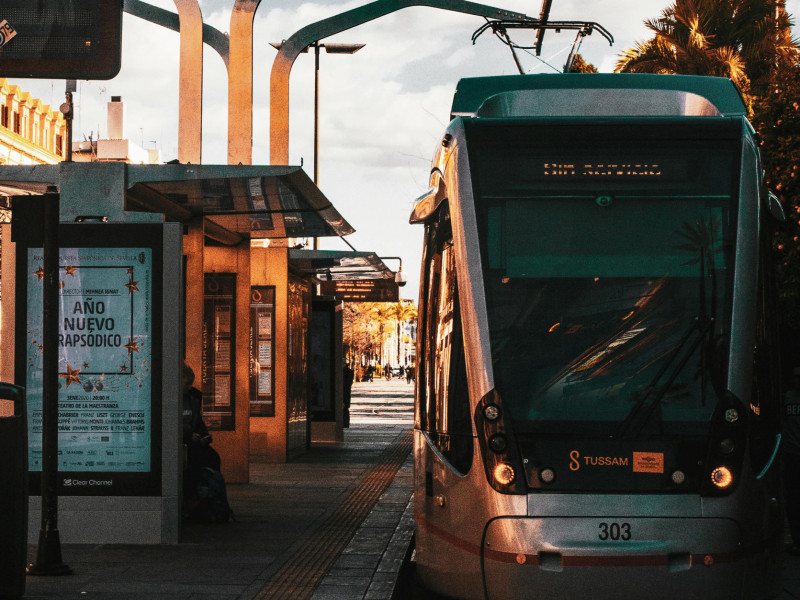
(108, 425)
(579, 160)
(620, 169)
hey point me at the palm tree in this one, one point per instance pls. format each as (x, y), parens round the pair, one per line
(380, 313)
(401, 312)
(743, 40)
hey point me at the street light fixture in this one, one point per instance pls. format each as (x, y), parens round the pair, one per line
(330, 49)
(399, 278)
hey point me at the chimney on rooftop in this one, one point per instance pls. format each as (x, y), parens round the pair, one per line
(116, 118)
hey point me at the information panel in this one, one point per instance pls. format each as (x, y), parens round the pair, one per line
(262, 325)
(361, 290)
(109, 318)
(219, 312)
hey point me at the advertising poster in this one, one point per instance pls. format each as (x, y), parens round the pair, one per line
(105, 370)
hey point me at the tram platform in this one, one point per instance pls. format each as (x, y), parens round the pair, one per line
(334, 523)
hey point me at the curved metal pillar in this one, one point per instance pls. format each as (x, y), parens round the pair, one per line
(190, 107)
(211, 36)
(240, 83)
(291, 49)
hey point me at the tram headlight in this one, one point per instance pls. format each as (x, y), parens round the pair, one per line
(731, 415)
(722, 477)
(498, 443)
(491, 412)
(504, 474)
(727, 446)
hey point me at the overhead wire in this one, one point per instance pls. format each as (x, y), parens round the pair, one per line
(541, 60)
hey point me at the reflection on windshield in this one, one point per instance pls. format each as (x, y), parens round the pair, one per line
(571, 350)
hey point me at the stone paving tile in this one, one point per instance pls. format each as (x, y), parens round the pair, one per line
(384, 518)
(342, 578)
(339, 592)
(382, 587)
(357, 561)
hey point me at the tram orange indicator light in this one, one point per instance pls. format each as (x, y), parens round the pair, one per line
(504, 474)
(721, 477)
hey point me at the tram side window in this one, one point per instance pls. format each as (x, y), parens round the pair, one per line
(765, 403)
(446, 396)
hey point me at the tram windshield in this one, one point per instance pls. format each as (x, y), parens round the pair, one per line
(608, 265)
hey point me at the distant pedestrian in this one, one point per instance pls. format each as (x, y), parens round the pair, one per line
(347, 380)
(370, 373)
(410, 374)
(791, 457)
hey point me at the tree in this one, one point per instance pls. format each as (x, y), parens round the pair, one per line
(365, 325)
(777, 119)
(360, 331)
(581, 66)
(401, 311)
(743, 40)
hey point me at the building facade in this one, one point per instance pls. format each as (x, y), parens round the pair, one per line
(31, 132)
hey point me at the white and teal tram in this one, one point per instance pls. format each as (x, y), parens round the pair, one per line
(597, 397)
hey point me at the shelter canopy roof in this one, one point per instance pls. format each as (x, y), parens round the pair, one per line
(252, 202)
(237, 202)
(339, 265)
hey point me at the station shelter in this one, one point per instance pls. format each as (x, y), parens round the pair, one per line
(232, 291)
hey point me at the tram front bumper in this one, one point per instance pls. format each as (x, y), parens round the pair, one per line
(613, 557)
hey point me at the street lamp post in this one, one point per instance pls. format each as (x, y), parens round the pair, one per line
(400, 279)
(330, 49)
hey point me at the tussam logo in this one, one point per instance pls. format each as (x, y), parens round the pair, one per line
(576, 460)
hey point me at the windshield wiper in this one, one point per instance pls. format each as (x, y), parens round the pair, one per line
(701, 325)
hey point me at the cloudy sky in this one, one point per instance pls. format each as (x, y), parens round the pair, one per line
(382, 110)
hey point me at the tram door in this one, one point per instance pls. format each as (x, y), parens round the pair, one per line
(443, 411)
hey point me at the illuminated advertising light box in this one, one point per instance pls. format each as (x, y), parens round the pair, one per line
(109, 357)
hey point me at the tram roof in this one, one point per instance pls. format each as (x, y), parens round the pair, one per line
(605, 94)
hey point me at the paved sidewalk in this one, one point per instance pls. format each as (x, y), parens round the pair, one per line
(281, 517)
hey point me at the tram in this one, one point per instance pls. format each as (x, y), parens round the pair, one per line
(597, 394)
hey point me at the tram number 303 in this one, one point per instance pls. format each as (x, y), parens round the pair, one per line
(614, 531)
